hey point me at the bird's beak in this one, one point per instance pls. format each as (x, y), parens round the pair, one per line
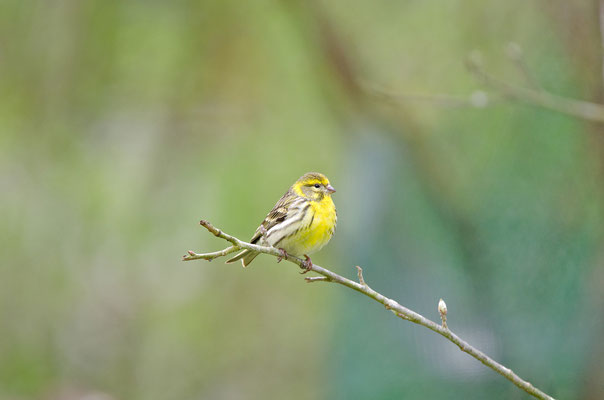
(330, 189)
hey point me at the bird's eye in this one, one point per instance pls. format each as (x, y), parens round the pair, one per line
(317, 185)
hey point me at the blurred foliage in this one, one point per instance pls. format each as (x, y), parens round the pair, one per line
(122, 123)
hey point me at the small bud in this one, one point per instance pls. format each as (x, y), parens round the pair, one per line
(442, 307)
(479, 99)
(442, 310)
(513, 51)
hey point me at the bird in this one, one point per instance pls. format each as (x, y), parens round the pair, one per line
(301, 222)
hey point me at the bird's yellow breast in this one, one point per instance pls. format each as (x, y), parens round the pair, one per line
(320, 225)
(324, 221)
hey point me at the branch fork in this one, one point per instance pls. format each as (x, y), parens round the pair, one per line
(531, 93)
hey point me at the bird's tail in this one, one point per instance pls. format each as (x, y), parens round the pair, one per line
(246, 257)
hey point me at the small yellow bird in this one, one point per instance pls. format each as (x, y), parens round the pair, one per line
(301, 223)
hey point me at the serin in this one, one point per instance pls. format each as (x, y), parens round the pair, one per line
(301, 222)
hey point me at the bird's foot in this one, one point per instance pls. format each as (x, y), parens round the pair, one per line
(306, 264)
(263, 232)
(283, 255)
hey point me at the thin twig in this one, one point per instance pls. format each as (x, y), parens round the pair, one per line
(477, 99)
(515, 53)
(360, 275)
(533, 95)
(210, 256)
(577, 108)
(395, 307)
(311, 279)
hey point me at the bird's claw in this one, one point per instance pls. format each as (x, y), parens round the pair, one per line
(306, 264)
(282, 256)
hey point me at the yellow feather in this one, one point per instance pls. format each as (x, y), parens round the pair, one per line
(321, 224)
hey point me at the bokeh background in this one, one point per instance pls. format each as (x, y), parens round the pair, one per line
(122, 123)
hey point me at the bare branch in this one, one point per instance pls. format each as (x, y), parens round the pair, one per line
(396, 308)
(533, 95)
(577, 108)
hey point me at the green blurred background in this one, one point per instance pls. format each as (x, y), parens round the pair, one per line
(122, 123)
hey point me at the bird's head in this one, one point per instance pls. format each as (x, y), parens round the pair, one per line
(313, 186)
